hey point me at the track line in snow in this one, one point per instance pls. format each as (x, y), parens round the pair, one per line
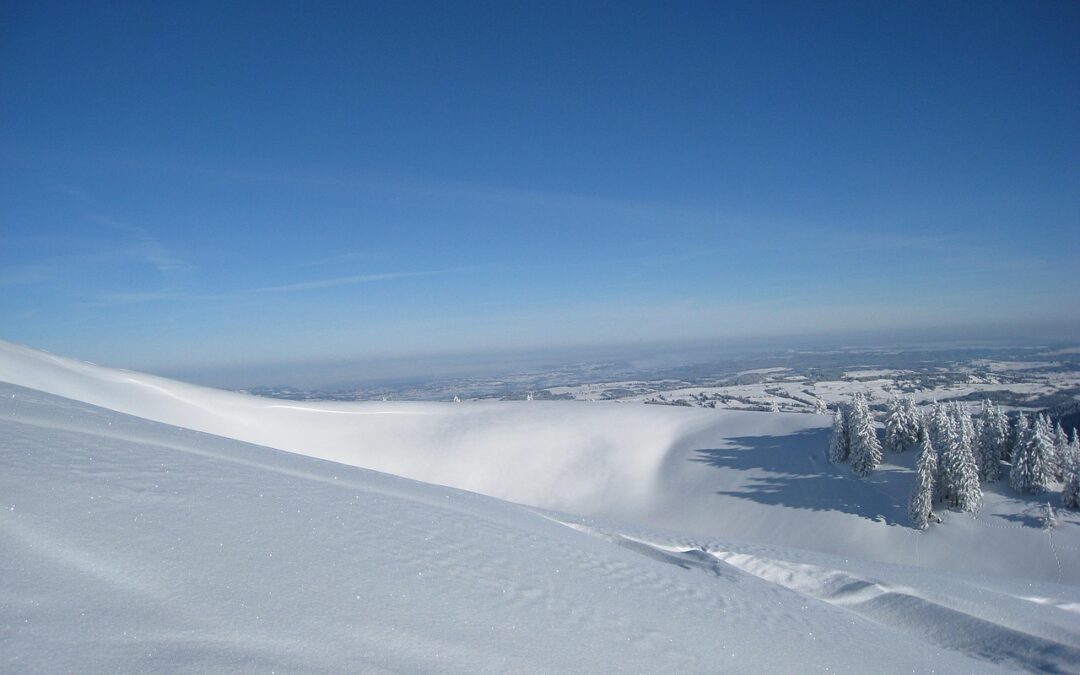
(905, 609)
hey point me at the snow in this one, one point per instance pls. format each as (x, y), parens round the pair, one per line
(662, 539)
(763, 371)
(1004, 366)
(873, 373)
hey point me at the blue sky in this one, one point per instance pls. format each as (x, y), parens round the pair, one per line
(186, 185)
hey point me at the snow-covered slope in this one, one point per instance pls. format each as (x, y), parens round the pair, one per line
(140, 543)
(557, 455)
(748, 476)
(134, 546)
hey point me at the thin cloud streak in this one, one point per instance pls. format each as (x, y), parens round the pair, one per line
(450, 190)
(134, 298)
(145, 247)
(345, 281)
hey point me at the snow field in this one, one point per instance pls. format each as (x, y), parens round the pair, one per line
(134, 546)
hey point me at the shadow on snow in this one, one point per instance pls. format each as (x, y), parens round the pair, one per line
(792, 471)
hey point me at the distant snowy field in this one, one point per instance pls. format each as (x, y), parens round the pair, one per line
(153, 525)
(1015, 384)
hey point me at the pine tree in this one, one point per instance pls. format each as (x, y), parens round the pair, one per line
(959, 474)
(1019, 437)
(941, 430)
(896, 426)
(865, 452)
(915, 422)
(998, 432)
(1031, 468)
(921, 503)
(965, 428)
(989, 441)
(1070, 492)
(1049, 517)
(938, 421)
(1061, 446)
(1045, 454)
(838, 442)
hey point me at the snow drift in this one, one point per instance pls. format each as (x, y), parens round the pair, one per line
(559, 455)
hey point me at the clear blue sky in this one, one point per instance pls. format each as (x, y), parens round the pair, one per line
(191, 185)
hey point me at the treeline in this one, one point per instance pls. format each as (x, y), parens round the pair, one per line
(958, 452)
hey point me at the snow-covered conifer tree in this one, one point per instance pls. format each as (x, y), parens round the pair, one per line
(921, 504)
(865, 450)
(989, 441)
(838, 442)
(965, 427)
(1070, 492)
(1049, 517)
(896, 426)
(959, 474)
(1019, 436)
(941, 429)
(998, 428)
(939, 424)
(915, 422)
(1031, 469)
(1061, 447)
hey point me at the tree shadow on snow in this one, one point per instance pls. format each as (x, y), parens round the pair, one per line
(798, 475)
(1024, 519)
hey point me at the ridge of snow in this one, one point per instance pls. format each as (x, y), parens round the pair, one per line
(559, 455)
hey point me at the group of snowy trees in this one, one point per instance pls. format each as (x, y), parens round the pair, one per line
(948, 468)
(957, 452)
(854, 438)
(1042, 455)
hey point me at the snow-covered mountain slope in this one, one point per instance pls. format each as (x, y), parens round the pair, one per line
(746, 476)
(130, 545)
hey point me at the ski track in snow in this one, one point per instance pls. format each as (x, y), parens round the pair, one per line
(905, 609)
(899, 607)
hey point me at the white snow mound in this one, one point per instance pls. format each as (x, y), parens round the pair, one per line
(560, 455)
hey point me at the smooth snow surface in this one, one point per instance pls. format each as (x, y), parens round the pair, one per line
(131, 545)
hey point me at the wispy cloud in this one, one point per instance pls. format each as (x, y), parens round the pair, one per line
(436, 189)
(348, 258)
(134, 298)
(141, 245)
(316, 284)
(74, 192)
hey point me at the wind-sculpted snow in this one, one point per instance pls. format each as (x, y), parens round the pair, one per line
(557, 455)
(131, 546)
